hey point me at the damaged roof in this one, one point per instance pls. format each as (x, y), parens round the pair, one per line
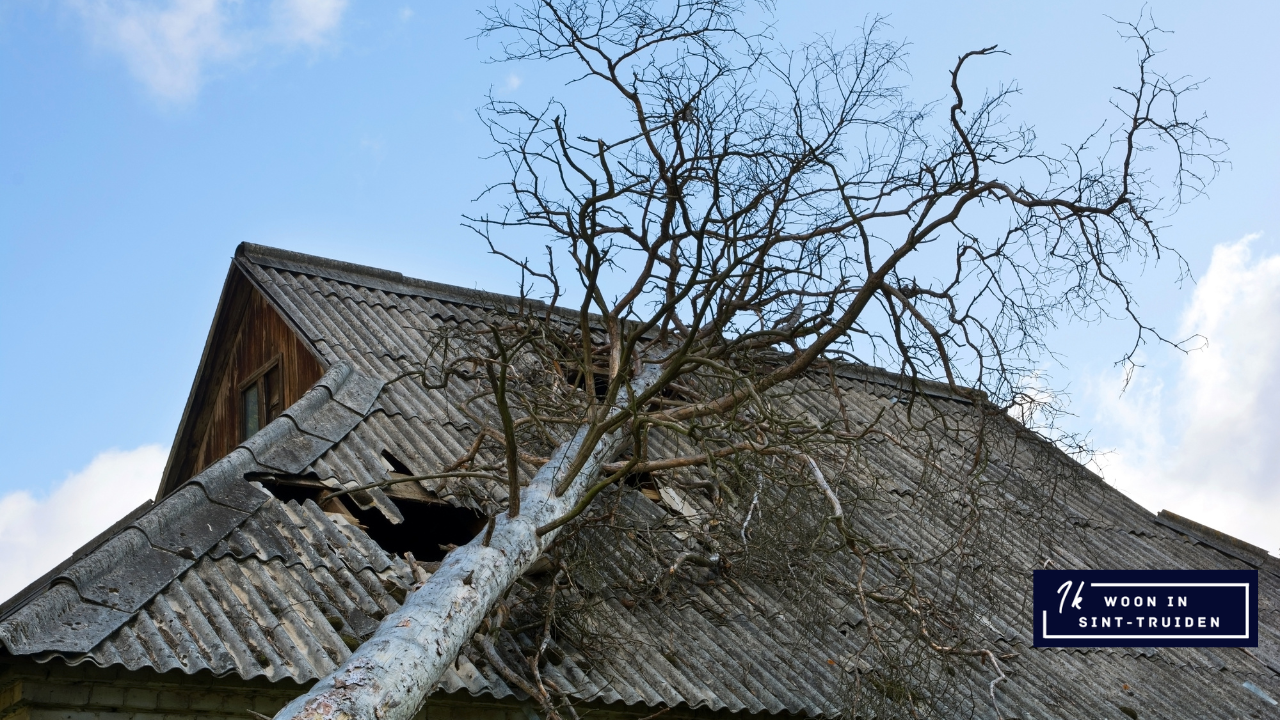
(223, 576)
(220, 575)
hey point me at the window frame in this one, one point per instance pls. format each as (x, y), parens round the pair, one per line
(256, 378)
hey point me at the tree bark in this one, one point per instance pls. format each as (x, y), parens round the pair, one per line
(388, 677)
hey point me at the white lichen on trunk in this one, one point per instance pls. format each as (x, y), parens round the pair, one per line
(388, 677)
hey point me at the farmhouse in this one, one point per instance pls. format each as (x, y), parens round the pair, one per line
(244, 581)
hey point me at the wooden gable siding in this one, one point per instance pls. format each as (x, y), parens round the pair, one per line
(246, 334)
(262, 337)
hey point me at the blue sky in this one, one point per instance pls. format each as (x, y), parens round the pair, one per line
(141, 140)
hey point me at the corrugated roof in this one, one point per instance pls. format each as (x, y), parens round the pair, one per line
(196, 581)
(221, 576)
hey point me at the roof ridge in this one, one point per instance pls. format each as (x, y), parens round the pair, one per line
(370, 276)
(1227, 544)
(392, 281)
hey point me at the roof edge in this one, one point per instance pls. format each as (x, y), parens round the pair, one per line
(369, 276)
(1220, 541)
(35, 587)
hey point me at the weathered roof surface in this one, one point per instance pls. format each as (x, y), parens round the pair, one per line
(221, 576)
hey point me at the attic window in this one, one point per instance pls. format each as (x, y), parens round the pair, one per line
(261, 399)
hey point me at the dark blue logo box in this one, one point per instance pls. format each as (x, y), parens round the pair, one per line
(1146, 608)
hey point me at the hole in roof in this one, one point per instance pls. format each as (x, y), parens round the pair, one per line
(392, 464)
(429, 528)
(645, 483)
(642, 481)
(599, 380)
(846, 628)
(298, 490)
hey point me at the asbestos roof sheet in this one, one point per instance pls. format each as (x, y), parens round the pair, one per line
(224, 577)
(219, 575)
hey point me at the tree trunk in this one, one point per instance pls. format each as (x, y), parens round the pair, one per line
(388, 677)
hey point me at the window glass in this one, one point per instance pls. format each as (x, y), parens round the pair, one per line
(249, 411)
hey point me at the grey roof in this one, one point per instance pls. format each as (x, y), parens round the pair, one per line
(220, 575)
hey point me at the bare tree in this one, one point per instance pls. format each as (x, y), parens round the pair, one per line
(746, 224)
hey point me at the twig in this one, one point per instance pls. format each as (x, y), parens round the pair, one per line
(754, 499)
(991, 688)
(651, 717)
(836, 508)
(664, 578)
(415, 478)
(500, 665)
(420, 573)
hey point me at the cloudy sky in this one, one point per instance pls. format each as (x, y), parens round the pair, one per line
(141, 140)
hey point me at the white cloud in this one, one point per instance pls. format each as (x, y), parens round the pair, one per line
(513, 82)
(165, 47)
(310, 22)
(1207, 444)
(170, 45)
(406, 13)
(38, 533)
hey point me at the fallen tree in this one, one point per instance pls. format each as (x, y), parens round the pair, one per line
(390, 674)
(755, 219)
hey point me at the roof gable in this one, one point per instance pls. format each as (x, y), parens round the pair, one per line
(248, 335)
